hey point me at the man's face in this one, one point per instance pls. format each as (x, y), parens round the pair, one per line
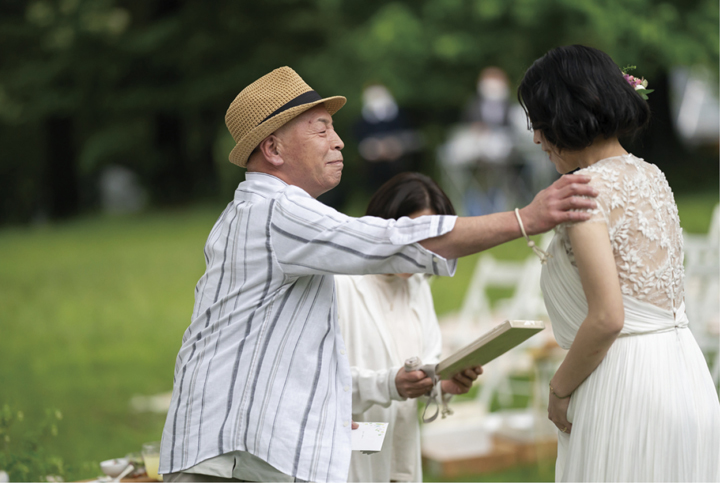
(310, 149)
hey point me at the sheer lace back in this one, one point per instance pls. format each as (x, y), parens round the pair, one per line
(638, 206)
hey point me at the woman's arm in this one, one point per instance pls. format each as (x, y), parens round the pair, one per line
(596, 264)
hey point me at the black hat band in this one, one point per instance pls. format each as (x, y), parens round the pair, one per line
(304, 98)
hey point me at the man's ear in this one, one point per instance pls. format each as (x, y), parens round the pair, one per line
(270, 150)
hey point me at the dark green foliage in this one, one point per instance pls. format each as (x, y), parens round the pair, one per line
(145, 83)
(24, 456)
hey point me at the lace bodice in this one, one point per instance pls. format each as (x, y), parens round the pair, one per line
(638, 206)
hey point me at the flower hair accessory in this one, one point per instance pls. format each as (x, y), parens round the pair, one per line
(640, 85)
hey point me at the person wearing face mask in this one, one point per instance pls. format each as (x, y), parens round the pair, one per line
(490, 108)
(482, 167)
(386, 142)
(386, 319)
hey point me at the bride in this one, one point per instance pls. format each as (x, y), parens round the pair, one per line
(633, 399)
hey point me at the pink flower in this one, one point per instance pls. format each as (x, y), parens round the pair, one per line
(635, 82)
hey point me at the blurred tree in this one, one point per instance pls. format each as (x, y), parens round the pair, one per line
(145, 83)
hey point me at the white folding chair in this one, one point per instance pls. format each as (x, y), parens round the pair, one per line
(702, 291)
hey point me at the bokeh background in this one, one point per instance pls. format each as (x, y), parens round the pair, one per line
(113, 166)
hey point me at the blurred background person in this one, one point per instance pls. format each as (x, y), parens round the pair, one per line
(485, 160)
(385, 320)
(490, 107)
(386, 143)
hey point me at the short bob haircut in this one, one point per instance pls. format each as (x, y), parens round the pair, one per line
(408, 193)
(574, 94)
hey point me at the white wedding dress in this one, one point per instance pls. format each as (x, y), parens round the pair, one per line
(649, 411)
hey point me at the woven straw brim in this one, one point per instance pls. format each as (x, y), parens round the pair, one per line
(242, 150)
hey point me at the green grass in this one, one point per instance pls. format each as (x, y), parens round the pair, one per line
(92, 312)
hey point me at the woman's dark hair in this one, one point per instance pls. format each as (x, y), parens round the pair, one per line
(575, 94)
(408, 193)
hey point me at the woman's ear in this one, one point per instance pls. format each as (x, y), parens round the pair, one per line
(270, 150)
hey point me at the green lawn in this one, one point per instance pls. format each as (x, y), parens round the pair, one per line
(92, 312)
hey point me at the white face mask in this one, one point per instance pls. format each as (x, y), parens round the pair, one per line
(378, 104)
(493, 89)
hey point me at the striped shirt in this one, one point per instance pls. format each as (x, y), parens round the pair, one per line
(263, 366)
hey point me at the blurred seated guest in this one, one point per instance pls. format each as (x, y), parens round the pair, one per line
(491, 106)
(480, 159)
(385, 141)
(386, 319)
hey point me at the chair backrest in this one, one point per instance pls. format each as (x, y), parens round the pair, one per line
(702, 283)
(523, 277)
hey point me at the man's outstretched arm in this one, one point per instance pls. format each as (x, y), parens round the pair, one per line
(550, 207)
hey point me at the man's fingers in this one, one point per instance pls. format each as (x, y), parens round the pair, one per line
(577, 190)
(576, 203)
(577, 216)
(567, 179)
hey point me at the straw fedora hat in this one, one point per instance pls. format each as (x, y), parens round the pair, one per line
(268, 103)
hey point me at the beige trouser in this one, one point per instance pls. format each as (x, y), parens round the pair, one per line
(192, 477)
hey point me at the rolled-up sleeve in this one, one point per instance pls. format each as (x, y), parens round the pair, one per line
(308, 237)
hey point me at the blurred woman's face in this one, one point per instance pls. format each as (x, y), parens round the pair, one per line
(562, 164)
(425, 212)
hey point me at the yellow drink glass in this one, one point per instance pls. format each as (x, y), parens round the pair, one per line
(151, 457)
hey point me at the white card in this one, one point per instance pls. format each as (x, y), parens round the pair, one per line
(369, 437)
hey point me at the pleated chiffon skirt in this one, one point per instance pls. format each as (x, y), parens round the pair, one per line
(649, 412)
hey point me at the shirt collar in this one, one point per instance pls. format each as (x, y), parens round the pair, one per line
(264, 178)
(259, 183)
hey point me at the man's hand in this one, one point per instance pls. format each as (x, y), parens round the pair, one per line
(552, 205)
(462, 381)
(412, 384)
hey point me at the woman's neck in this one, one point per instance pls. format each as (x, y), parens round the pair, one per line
(600, 149)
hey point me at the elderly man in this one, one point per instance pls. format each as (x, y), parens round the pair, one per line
(262, 382)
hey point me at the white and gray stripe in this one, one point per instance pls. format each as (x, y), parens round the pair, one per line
(262, 366)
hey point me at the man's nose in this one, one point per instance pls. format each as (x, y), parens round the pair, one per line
(337, 142)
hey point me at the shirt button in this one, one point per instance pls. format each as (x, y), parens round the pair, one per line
(346, 388)
(345, 424)
(342, 351)
(435, 259)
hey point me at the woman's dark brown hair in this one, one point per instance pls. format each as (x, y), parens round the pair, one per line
(575, 94)
(408, 193)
